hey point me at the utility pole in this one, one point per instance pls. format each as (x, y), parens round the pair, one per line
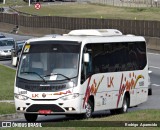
(29, 2)
(4, 1)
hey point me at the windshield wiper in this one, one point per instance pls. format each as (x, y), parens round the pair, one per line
(57, 74)
(29, 72)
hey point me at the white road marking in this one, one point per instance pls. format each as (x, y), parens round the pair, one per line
(157, 85)
(154, 67)
(153, 54)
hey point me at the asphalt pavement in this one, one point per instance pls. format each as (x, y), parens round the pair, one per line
(17, 37)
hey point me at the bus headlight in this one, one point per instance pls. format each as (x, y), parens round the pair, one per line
(68, 97)
(71, 84)
(20, 97)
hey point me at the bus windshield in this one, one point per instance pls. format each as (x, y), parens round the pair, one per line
(48, 61)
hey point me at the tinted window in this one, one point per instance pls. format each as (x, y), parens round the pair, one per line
(6, 42)
(114, 57)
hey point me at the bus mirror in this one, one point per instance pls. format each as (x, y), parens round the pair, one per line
(14, 61)
(86, 57)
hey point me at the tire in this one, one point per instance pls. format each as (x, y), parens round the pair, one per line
(125, 106)
(89, 110)
(88, 114)
(150, 91)
(31, 117)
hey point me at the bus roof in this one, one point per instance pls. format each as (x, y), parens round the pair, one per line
(95, 32)
(92, 36)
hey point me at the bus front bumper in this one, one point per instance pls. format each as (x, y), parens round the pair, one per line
(49, 107)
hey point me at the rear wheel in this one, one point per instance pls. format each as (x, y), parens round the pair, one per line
(30, 117)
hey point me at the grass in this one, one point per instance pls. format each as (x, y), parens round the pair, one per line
(88, 10)
(94, 11)
(7, 77)
(141, 115)
(13, 3)
(7, 108)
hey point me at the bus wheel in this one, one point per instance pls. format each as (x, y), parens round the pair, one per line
(89, 109)
(125, 105)
(30, 117)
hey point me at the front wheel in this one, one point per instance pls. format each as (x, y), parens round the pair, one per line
(89, 109)
(87, 114)
(30, 117)
(125, 106)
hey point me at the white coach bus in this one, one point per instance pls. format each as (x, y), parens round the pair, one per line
(81, 72)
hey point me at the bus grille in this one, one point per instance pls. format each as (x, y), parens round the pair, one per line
(37, 107)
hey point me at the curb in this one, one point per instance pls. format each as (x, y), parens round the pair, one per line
(8, 101)
(11, 116)
(8, 67)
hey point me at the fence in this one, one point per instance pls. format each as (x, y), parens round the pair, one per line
(127, 3)
(137, 27)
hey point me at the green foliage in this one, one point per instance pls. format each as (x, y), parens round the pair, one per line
(7, 77)
(7, 108)
(13, 3)
(94, 11)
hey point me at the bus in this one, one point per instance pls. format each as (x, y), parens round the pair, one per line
(81, 72)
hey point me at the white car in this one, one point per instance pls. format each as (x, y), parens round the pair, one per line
(6, 45)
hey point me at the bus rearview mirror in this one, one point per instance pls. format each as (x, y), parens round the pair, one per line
(14, 61)
(86, 57)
